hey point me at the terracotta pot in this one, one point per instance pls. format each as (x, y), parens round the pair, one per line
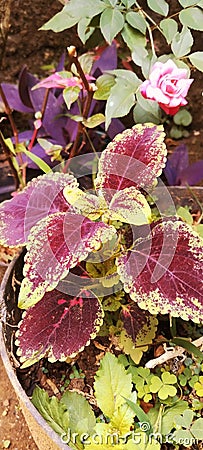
(43, 435)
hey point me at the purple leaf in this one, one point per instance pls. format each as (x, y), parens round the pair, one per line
(41, 197)
(192, 175)
(107, 61)
(24, 87)
(61, 64)
(135, 157)
(115, 127)
(59, 326)
(179, 289)
(176, 163)
(56, 244)
(13, 98)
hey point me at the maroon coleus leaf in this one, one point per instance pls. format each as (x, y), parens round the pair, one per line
(56, 244)
(58, 326)
(135, 157)
(164, 272)
(41, 197)
(135, 320)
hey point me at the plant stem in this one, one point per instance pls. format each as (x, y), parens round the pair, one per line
(10, 161)
(8, 111)
(148, 17)
(43, 109)
(87, 104)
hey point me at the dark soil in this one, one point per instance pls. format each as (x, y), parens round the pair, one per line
(27, 45)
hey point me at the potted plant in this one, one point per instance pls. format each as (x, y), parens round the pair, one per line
(111, 281)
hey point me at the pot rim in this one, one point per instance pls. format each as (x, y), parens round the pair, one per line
(12, 375)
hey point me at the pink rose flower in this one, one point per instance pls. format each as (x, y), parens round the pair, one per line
(168, 85)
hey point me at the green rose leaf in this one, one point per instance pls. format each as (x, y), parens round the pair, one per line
(136, 43)
(111, 23)
(182, 42)
(196, 59)
(186, 3)
(159, 6)
(137, 21)
(84, 30)
(192, 18)
(169, 28)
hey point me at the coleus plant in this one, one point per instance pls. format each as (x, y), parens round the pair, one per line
(86, 247)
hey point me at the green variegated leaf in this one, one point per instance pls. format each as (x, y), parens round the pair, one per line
(186, 3)
(134, 158)
(94, 121)
(70, 95)
(87, 204)
(164, 274)
(129, 206)
(111, 23)
(104, 84)
(112, 379)
(60, 241)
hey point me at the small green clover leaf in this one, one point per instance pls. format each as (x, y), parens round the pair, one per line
(163, 386)
(187, 429)
(198, 386)
(141, 377)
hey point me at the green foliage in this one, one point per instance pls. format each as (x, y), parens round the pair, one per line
(112, 379)
(188, 429)
(81, 417)
(182, 117)
(169, 28)
(164, 386)
(198, 386)
(182, 42)
(53, 411)
(192, 18)
(159, 6)
(111, 23)
(196, 59)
